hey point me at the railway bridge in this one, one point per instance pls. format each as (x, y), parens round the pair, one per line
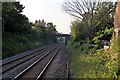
(63, 38)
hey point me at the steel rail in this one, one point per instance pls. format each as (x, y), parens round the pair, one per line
(46, 66)
(25, 70)
(9, 68)
(25, 55)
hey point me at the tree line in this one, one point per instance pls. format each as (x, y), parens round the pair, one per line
(19, 34)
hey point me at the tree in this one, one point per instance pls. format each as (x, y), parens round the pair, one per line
(78, 31)
(82, 9)
(51, 31)
(97, 16)
(104, 18)
(14, 21)
(47, 32)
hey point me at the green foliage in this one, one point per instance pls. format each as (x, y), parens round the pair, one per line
(47, 32)
(106, 66)
(16, 43)
(89, 62)
(51, 32)
(102, 23)
(78, 30)
(80, 61)
(19, 34)
(14, 21)
(104, 18)
(13, 44)
(116, 44)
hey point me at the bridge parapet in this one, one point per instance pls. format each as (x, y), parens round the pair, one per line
(63, 38)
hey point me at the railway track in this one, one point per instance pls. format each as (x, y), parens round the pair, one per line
(21, 55)
(11, 64)
(35, 70)
(36, 61)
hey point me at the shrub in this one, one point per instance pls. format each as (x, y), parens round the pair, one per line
(106, 66)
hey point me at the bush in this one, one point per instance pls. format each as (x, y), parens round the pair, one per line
(98, 63)
(106, 66)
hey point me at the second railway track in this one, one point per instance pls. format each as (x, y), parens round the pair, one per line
(37, 69)
(11, 70)
(9, 65)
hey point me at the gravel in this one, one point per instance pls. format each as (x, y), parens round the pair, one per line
(58, 68)
(12, 73)
(20, 55)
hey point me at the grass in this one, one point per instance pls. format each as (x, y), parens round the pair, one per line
(81, 63)
(86, 62)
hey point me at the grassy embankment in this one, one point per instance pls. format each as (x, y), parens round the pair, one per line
(17, 43)
(86, 62)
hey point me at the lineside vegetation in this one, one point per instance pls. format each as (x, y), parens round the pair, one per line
(19, 34)
(91, 33)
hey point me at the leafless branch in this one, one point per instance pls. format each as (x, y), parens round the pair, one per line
(81, 9)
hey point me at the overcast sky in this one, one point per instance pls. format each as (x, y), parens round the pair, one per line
(50, 11)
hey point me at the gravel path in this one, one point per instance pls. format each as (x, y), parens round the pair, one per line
(58, 68)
